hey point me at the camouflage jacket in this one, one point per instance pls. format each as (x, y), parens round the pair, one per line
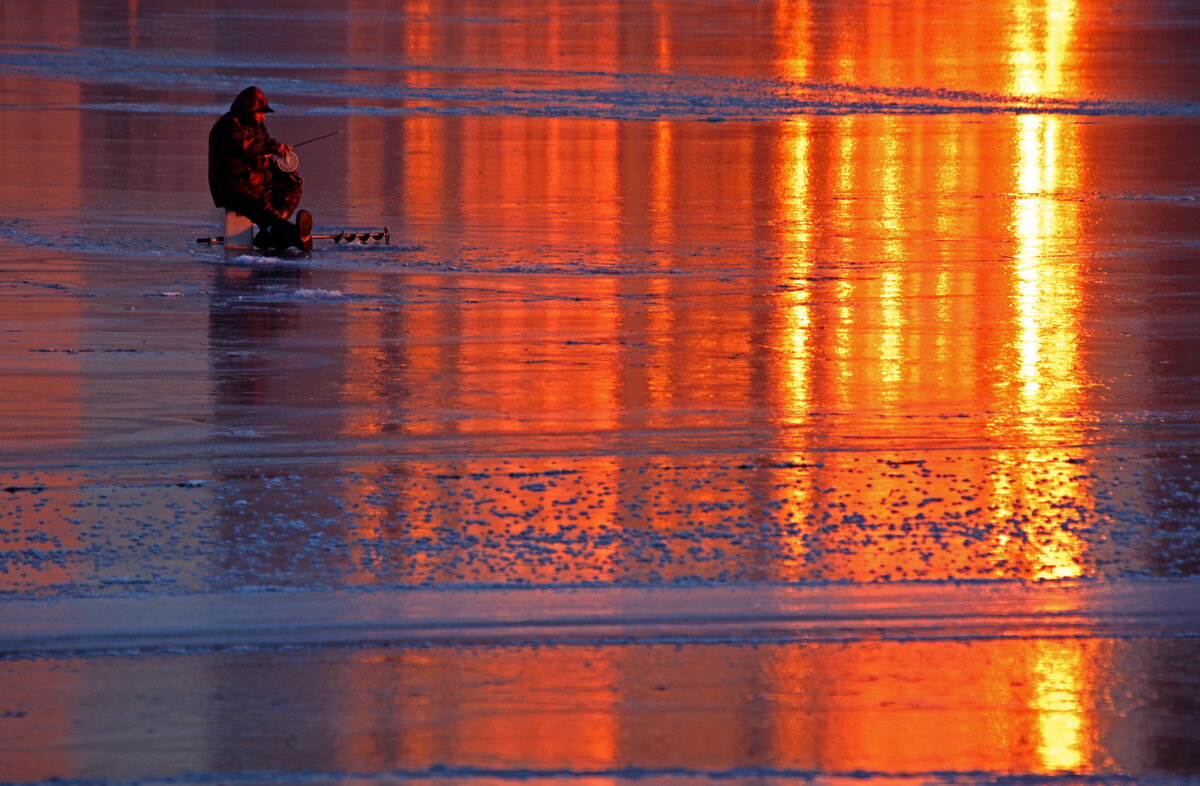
(239, 156)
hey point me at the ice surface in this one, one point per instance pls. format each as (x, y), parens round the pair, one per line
(256, 619)
(544, 684)
(749, 393)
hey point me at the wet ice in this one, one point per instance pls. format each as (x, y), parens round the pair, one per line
(773, 393)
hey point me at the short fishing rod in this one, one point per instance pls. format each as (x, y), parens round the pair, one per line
(291, 161)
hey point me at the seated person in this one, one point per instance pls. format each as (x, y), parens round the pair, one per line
(243, 177)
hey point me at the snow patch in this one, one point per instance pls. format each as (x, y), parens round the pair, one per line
(318, 294)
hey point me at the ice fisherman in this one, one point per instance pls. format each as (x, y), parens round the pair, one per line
(243, 176)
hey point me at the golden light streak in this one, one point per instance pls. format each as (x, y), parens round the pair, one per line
(796, 180)
(1062, 725)
(662, 180)
(1046, 366)
(661, 319)
(795, 176)
(662, 38)
(892, 194)
(847, 133)
(792, 21)
(1041, 41)
(795, 194)
(892, 327)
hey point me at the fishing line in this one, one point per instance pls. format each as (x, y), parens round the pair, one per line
(290, 162)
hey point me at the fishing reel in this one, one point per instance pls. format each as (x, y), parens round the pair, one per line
(287, 163)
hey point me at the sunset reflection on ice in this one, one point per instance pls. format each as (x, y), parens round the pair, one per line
(760, 392)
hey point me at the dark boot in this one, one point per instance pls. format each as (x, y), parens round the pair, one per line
(278, 234)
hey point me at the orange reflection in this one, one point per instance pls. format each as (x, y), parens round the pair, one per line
(795, 307)
(879, 331)
(396, 705)
(1044, 365)
(901, 298)
(863, 709)
(891, 347)
(1041, 43)
(1062, 701)
(1047, 373)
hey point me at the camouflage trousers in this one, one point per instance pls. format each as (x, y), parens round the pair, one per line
(271, 198)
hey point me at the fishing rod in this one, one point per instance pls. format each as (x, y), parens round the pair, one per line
(317, 138)
(291, 161)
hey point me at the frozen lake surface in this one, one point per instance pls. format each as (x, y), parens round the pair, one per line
(747, 393)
